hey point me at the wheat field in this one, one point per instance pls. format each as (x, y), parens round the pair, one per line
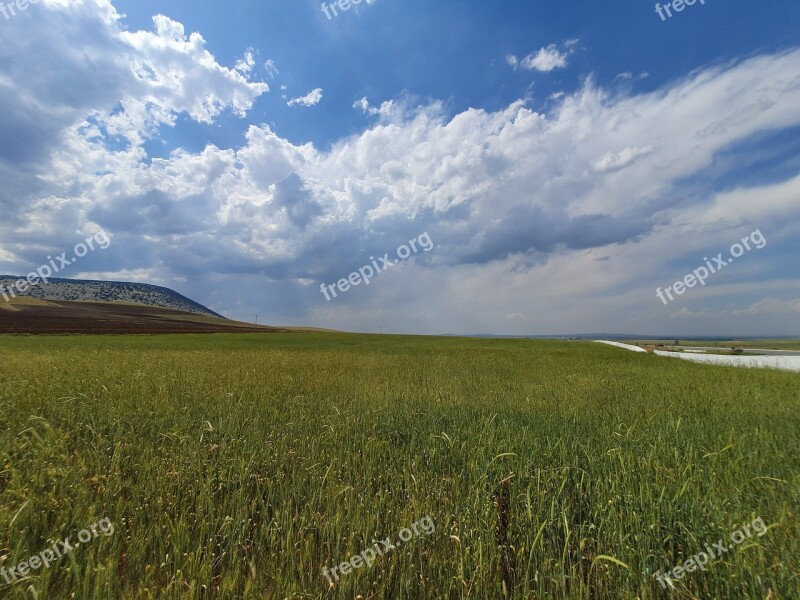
(241, 466)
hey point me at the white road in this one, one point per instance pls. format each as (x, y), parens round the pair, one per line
(784, 363)
(626, 346)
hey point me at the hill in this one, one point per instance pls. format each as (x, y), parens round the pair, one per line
(78, 290)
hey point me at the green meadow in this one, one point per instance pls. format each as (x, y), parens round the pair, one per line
(240, 466)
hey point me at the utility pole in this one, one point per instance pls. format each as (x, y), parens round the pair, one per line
(256, 319)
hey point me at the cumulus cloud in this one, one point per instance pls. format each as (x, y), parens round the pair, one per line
(291, 196)
(130, 83)
(105, 91)
(312, 98)
(385, 110)
(545, 59)
(245, 64)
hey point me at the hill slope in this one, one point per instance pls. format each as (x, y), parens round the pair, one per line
(33, 316)
(78, 290)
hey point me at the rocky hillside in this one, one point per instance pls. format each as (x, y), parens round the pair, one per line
(77, 290)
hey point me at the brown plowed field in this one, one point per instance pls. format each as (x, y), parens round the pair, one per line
(109, 318)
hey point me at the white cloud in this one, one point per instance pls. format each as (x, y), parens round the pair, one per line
(771, 306)
(272, 70)
(113, 83)
(363, 104)
(545, 60)
(312, 98)
(385, 110)
(177, 74)
(616, 160)
(628, 76)
(745, 204)
(518, 316)
(686, 313)
(245, 64)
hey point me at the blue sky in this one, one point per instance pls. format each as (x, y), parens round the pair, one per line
(566, 160)
(455, 51)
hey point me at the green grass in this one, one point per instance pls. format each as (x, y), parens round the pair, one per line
(238, 466)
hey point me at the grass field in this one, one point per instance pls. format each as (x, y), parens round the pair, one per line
(238, 466)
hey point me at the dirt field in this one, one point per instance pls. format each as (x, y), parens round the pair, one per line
(39, 317)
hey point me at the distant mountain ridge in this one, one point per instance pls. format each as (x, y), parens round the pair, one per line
(91, 290)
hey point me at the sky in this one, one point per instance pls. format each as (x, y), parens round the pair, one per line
(559, 167)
